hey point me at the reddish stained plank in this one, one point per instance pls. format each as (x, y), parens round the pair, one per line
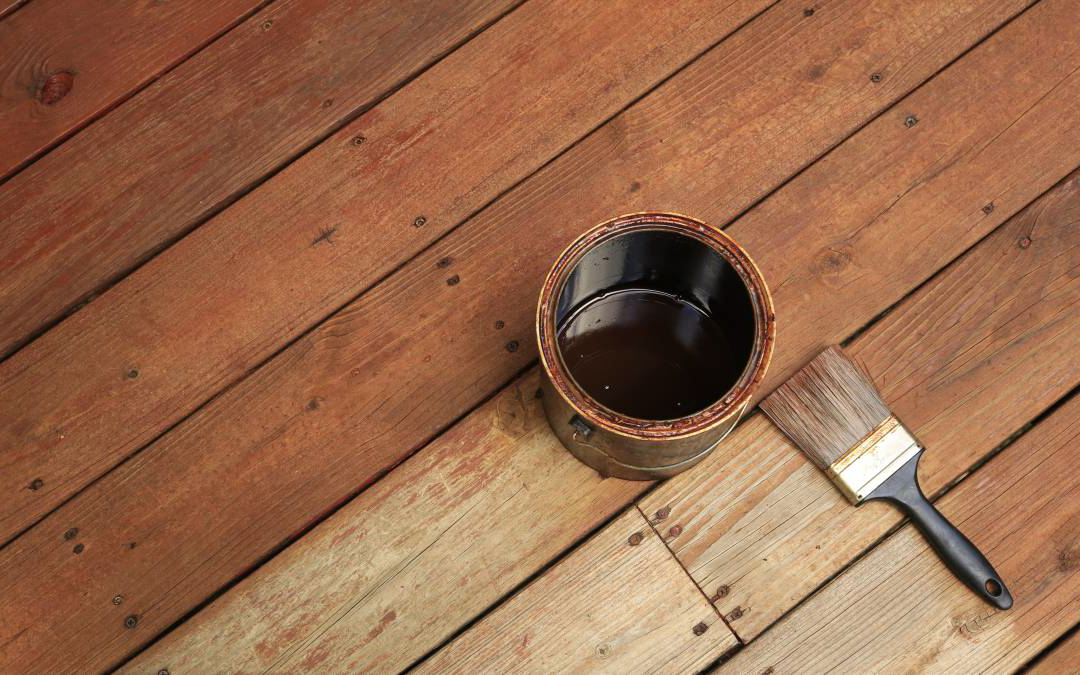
(1063, 658)
(63, 64)
(195, 140)
(287, 255)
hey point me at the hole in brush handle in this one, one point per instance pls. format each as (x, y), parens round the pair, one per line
(965, 561)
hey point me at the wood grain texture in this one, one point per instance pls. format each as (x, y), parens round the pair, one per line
(63, 64)
(382, 581)
(1063, 658)
(445, 325)
(900, 610)
(193, 141)
(611, 606)
(9, 6)
(347, 401)
(982, 351)
(233, 292)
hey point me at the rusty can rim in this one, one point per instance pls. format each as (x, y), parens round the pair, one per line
(632, 427)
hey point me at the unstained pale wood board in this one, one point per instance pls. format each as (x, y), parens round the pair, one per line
(406, 296)
(618, 603)
(392, 574)
(900, 610)
(965, 362)
(135, 361)
(188, 145)
(63, 64)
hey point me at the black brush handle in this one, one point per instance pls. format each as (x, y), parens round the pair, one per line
(961, 556)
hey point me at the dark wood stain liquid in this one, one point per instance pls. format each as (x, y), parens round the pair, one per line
(650, 354)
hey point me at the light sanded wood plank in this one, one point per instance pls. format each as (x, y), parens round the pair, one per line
(348, 401)
(965, 362)
(619, 603)
(64, 63)
(125, 368)
(900, 610)
(381, 582)
(1064, 658)
(84, 215)
(452, 607)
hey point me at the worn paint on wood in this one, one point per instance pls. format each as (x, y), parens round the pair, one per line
(65, 64)
(618, 603)
(393, 573)
(900, 609)
(280, 260)
(762, 528)
(191, 143)
(353, 397)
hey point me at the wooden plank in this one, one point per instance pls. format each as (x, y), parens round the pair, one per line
(901, 609)
(286, 587)
(1063, 658)
(970, 359)
(612, 606)
(9, 6)
(208, 131)
(353, 397)
(116, 374)
(379, 584)
(67, 63)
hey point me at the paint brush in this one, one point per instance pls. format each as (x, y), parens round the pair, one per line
(834, 414)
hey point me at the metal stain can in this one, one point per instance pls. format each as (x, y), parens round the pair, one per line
(654, 329)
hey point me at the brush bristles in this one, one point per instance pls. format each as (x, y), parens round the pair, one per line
(827, 407)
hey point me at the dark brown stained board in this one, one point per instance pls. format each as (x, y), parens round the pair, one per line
(900, 610)
(507, 497)
(330, 412)
(64, 63)
(966, 361)
(618, 604)
(397, 570)
(133, 362)
(1063, 658)
(193, 141)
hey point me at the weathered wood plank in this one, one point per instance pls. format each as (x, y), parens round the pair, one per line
(900, 609)
(380, 583)
(971, 359)
(386, 373)
(421, 609)
(232, 293)
(63, 64)
(189, 144)
(1064, 658)
(619, 603)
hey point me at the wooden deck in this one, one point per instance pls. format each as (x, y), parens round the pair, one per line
(268, 272)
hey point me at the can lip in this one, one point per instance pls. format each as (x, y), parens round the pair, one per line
(715, 414)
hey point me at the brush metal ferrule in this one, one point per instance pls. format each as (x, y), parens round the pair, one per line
(867, 465)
